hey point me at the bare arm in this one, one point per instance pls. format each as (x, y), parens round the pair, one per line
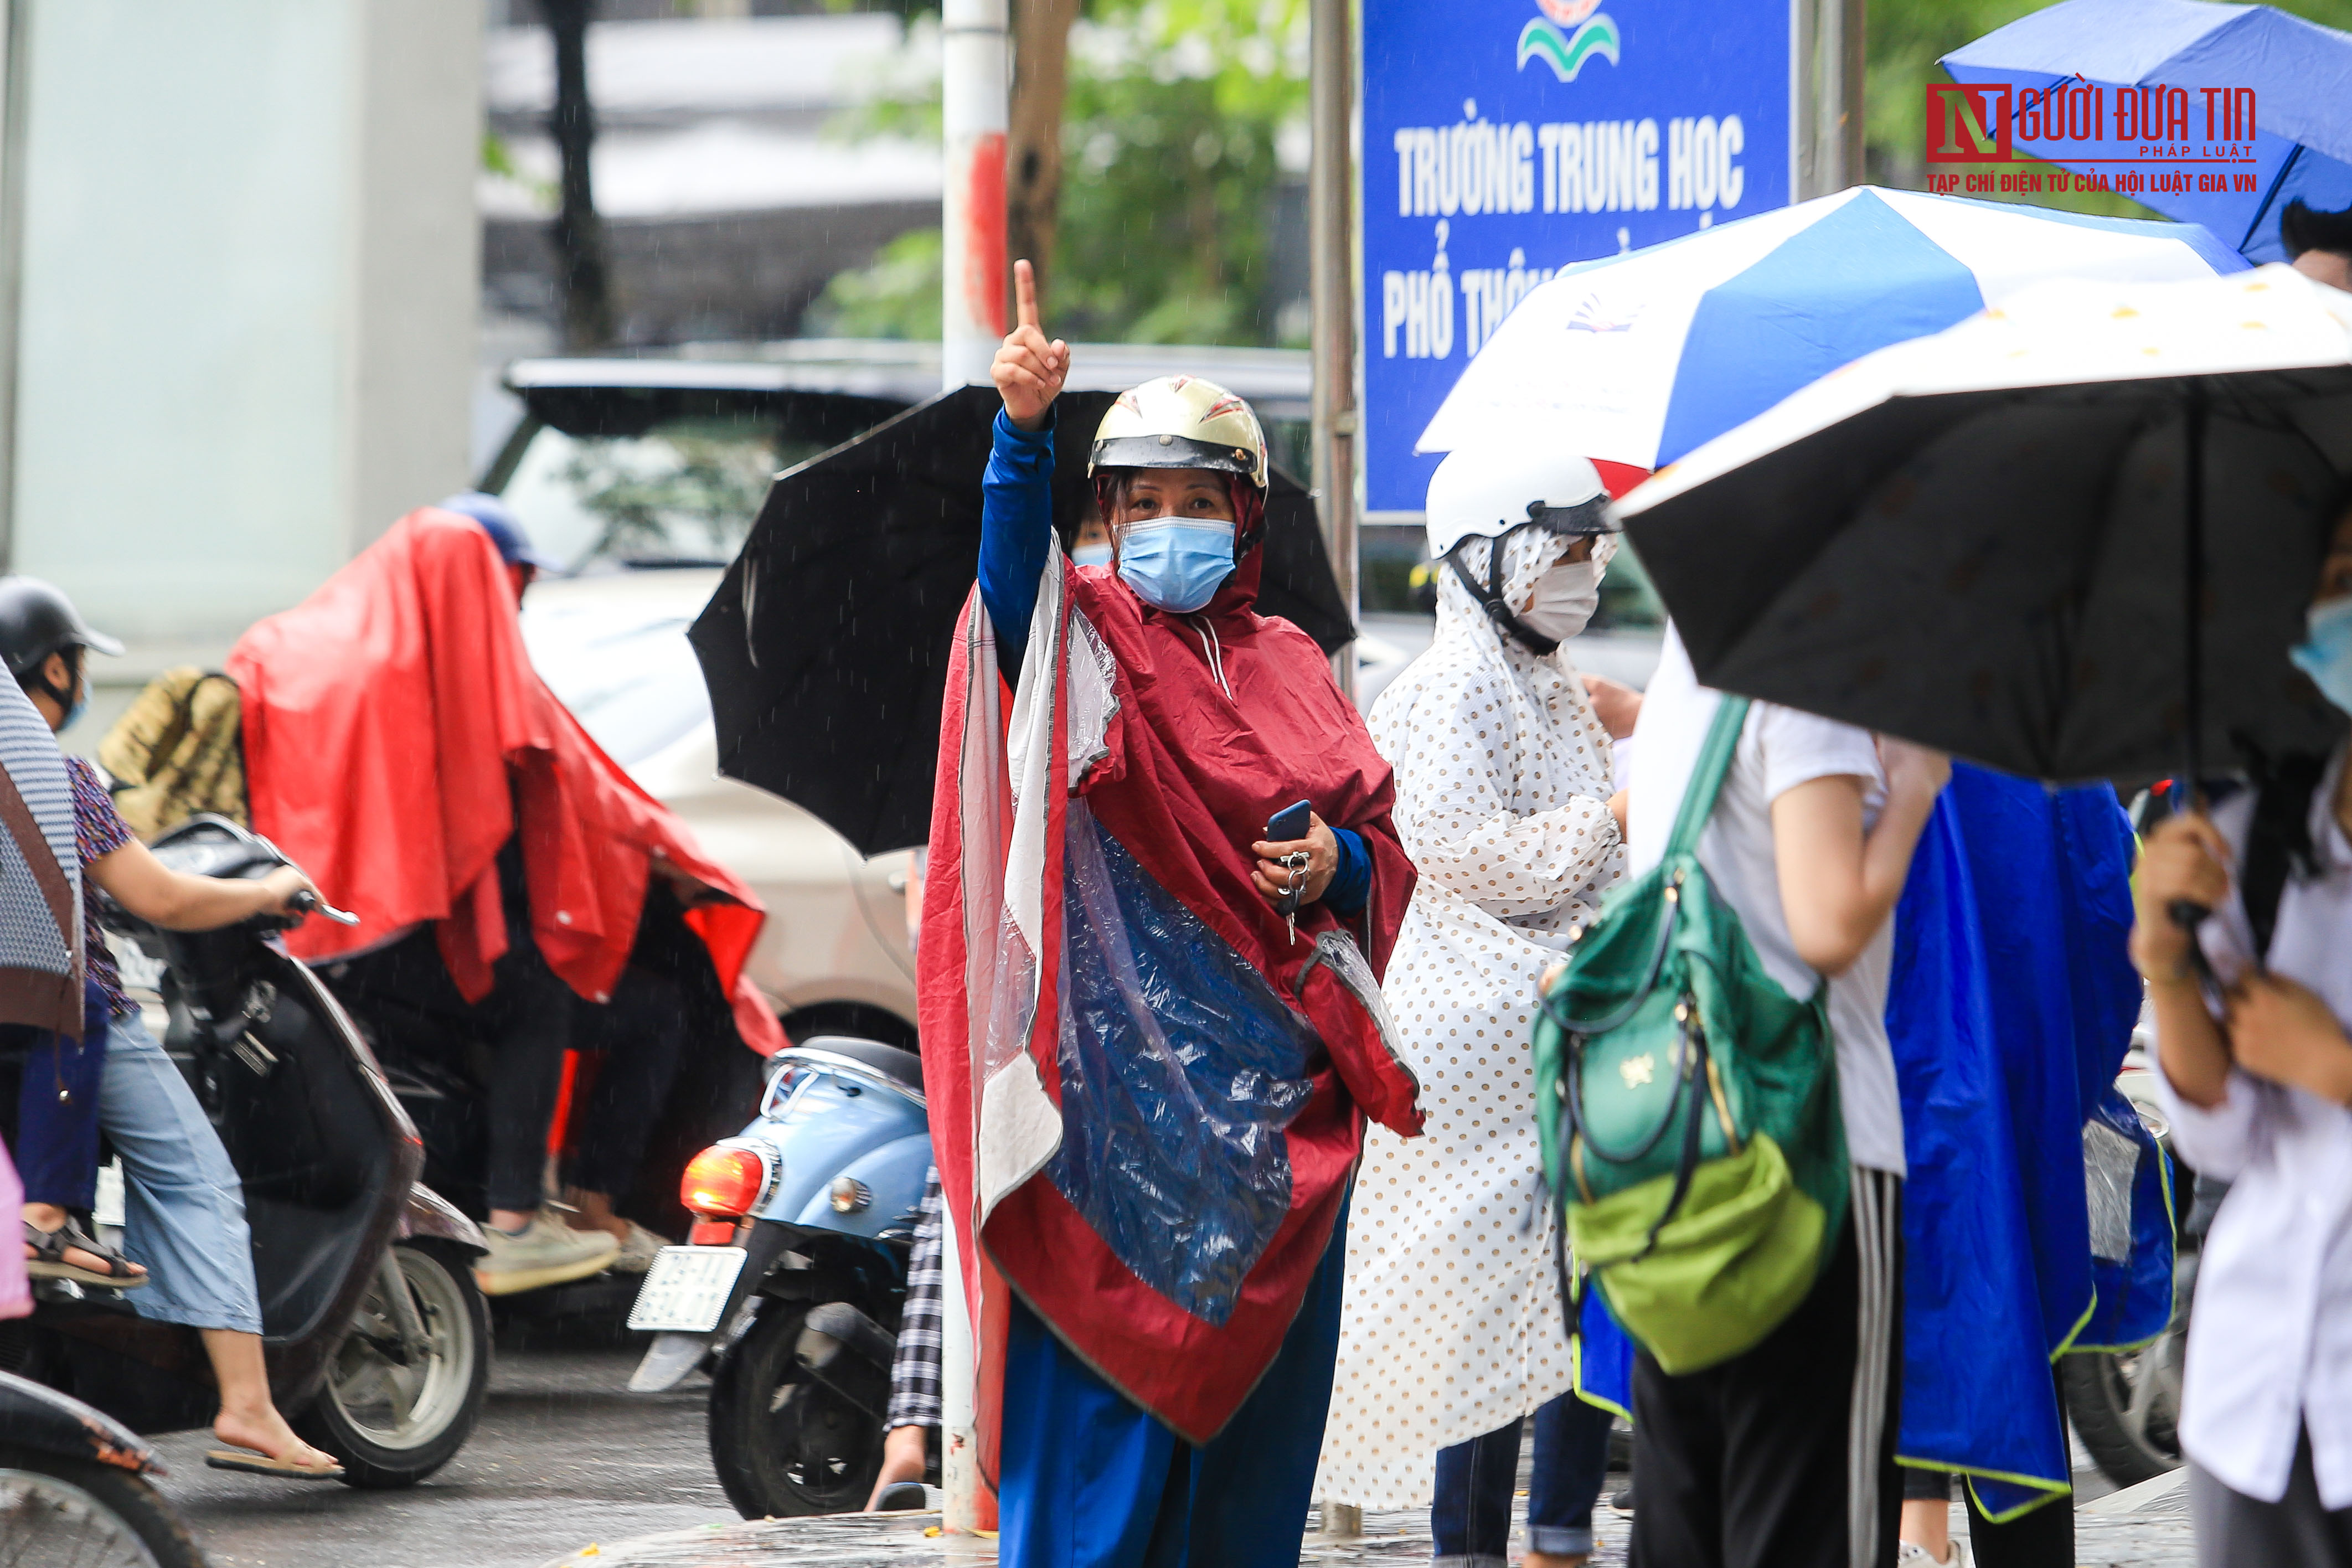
(1838, 885)
(2184, 859)
(177, 901)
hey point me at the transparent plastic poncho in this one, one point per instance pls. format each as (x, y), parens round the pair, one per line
(1180, 1067)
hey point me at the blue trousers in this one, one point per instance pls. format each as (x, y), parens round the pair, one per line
(182, 1202)
(1091, 1480)
(1471, 1517)
(56, 1110)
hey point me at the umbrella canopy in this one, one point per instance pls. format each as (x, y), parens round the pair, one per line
(825, 647)
(2298, 145)
(1642, 357)
(1984, 540)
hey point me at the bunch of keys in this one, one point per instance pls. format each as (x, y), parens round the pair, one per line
(1288, 826)
(1286, 906)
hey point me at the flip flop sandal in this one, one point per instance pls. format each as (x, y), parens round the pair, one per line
(48, 1259)
(263, 1465)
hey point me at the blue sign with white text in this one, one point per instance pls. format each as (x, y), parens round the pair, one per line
(1504, 139)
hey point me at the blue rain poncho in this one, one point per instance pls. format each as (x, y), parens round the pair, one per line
(2037, 1215)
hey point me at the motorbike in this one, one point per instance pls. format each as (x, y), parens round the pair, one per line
(789, 1289)
(74, 1486)
(2125, 1404)
(374, 1334)
(441, 1079)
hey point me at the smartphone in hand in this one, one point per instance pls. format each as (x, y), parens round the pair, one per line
(1291, 823)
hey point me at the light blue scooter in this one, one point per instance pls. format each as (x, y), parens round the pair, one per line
(789, 1290)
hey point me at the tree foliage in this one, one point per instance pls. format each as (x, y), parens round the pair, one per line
(1177, 116)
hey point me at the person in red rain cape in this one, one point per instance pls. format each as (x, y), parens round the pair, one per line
(1146, 1093)
(400, 747)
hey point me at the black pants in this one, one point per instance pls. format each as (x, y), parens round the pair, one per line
(405, 994)
(2234, 1531)
(2043, 1536)
(1771, 1460)
(641, 1036)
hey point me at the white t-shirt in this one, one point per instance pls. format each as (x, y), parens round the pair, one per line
(1779, 749)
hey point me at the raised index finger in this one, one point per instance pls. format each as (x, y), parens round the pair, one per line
(1024, 294)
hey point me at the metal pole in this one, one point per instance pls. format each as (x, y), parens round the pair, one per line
(1331, 240)
(1829, 69)
(15, 74)
(972, 110)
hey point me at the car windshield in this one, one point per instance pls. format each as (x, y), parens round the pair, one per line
(625, 670)
(684, 491)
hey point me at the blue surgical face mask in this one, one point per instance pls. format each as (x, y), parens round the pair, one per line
(81, 705)
(1177, 563)
(1091, 554)
(2325, 652)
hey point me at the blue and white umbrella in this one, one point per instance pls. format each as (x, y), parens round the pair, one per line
(2244, 108)
(1639, 358)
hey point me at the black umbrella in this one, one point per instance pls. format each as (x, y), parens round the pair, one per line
(2012, 541)
(825, 647)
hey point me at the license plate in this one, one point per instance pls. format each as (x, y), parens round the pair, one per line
(687, 1289)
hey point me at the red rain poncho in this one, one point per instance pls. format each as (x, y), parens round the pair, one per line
(392, 726)
(1090, 912)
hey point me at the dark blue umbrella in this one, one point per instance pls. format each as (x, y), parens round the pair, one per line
(2187, 76)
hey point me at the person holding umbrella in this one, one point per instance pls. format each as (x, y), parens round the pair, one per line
(1451, 1338)
(2253, 1015)
(1149, 996)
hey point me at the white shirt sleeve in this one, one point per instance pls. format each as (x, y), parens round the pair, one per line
(2219, 1140)
(1798, 748)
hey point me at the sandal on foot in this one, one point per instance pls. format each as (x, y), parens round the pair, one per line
(263, 1465)
(48, 1259)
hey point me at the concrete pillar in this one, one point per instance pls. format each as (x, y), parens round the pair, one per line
(249, 265)
(973, 111)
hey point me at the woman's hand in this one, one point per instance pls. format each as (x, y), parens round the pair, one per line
(2281, 1031)
(2184, 860)
(1322, 852)
(278, 889)
(1914, 772)
(1028, 370)
(1617, 705)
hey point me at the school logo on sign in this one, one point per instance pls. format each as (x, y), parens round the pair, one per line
(1545, 38)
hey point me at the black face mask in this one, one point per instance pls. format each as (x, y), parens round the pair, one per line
(1585, 518)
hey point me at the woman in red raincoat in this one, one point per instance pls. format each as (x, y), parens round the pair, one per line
(1146, 1093)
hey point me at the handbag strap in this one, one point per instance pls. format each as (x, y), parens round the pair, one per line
(1715, 755)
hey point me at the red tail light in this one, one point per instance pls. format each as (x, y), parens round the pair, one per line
(723, 1180)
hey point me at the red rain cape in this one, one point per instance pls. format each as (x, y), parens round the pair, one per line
(1121, 705)
(392, 724)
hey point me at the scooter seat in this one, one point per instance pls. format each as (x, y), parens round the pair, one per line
(898, 1066)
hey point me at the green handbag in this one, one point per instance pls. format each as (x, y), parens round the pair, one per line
(1687, 1108)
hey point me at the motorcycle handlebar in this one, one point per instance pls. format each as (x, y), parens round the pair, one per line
(306, 903)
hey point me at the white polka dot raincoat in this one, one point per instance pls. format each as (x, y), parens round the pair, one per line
(1452, 1324)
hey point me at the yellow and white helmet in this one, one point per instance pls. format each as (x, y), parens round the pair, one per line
(1180, 422)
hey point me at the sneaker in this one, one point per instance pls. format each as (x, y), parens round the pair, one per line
(547, 1252)
(1623, 1501)
(637, 1254)
(1909, 1555)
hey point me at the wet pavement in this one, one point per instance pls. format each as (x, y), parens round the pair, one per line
(563, 1456)
(2146, 1527)
(567, 1470)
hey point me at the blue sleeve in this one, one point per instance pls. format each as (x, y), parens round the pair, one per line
(1016, 524)
(1352, 884)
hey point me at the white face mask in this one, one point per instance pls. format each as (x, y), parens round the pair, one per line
(1564, 600)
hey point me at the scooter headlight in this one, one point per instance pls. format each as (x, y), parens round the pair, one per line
(727, 1179)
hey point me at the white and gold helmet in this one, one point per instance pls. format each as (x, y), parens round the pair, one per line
(1180, 422)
